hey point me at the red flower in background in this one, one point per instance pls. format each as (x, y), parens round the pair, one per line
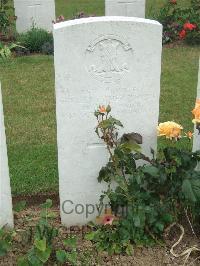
(189, 26)
(182, 34)
(173, 2)
(186, 27)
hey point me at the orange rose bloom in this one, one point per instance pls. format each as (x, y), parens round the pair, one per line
(102, 109)
(170, 130)
(189, 134)
(196, 112)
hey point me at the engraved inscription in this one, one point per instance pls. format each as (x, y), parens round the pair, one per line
(96, 145)
(34, 11)
(126, 2)
(108, 58)
(35, 5)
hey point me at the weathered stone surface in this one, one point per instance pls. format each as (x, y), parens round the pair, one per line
(39, 13)
(128, 8)
(106, 60)
(6, 216)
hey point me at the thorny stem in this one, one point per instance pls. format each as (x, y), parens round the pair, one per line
(107, 145)
(112, 157)
(114, 142)
(110, 134)
(123, 174)
(105, 138)
(109, 150)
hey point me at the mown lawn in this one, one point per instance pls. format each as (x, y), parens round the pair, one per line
(29, 104)
(69, 8)
(28, 93)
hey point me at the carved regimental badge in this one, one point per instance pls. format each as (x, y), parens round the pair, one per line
(109, 58)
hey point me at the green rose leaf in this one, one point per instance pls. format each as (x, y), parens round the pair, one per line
(188, 190)
(151, 170)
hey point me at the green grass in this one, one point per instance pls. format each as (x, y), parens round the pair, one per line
(68, 8)
(29, 104)
(178, 87)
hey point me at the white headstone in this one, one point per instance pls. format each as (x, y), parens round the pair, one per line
(105, 60)
(6, 216)
(128, 8)
(196, 140)
(39, 13)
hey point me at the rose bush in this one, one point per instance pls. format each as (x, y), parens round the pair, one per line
(180, 23)
(6, 20)
(149, 197)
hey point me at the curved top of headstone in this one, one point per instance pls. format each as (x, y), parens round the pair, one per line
(104, 19)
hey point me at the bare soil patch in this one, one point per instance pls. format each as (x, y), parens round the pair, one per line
(154, 256)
